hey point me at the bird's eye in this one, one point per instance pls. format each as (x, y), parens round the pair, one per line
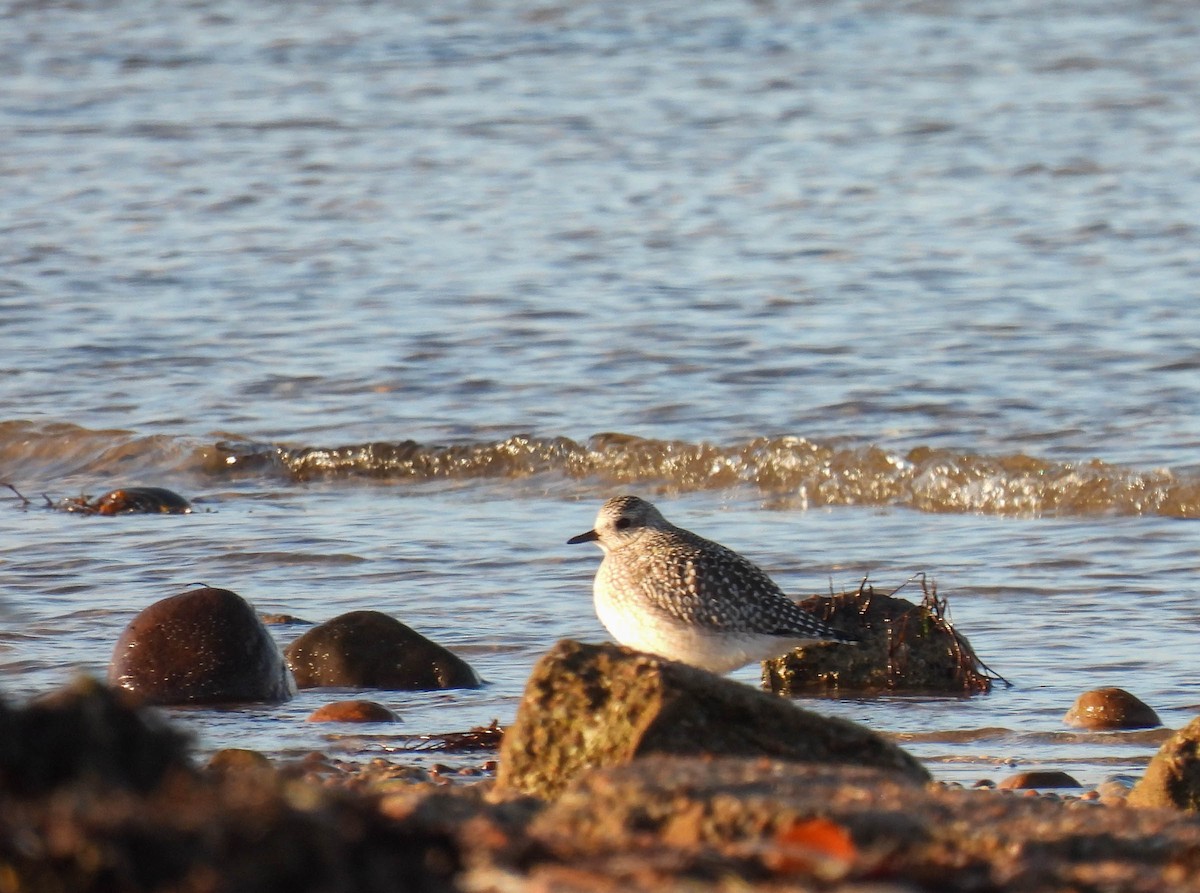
(622, 523)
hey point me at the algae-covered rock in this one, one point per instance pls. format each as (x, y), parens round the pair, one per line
(603, 705)
(1173, 777)
(902, 647)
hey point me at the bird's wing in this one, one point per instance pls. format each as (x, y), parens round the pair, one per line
(713, 587)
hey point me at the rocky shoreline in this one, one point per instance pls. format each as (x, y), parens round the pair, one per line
(621, 771)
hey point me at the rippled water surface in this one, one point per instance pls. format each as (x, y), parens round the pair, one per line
(400, 293)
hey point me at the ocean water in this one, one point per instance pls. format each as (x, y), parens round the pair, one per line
(398, 294)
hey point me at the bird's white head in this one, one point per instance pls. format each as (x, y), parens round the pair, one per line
(621, 521)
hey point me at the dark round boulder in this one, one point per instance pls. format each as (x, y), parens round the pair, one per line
(203, 646)
(368, 649)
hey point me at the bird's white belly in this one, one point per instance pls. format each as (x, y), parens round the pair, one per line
(717, 652)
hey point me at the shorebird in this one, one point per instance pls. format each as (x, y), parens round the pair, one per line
(665, 590)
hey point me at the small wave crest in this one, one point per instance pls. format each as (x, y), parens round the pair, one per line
(791, 472)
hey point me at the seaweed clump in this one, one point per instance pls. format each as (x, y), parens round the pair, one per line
(122, 501)
(903, 647)
(479, 738)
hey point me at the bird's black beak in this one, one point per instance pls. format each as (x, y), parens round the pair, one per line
(590, 537)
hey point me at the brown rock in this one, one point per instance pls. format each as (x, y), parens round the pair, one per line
(239, 832)
(202, 646)
(602, 705)
(1110, 708)
(129, 500)
(142, 500)
(85, 731)
(668, 823)
(237, 759)
(353, 711)
(1044, 778)
(367, 649)
(1173, 777)
(902, 647)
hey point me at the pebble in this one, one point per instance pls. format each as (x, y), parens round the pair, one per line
(1038, 779)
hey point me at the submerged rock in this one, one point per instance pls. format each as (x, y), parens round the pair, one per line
(1173, 777)
(902, 647)
(602, 705)
(1110, 708)
(369, 649)
(1042, 778)
(85, 732)
(353, 711)
(239, 759)
(203, 646)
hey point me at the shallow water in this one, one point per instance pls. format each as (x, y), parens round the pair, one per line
(400, 295)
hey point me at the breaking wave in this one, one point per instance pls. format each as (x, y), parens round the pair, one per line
(791, 472)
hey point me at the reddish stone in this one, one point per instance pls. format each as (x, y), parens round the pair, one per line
(1110, 708)
(1038, 779)
(353, 711)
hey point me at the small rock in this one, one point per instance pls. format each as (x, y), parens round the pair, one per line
(368, 649)
(587, 706)
(283, 620)
(237, 759)
(1110, 792)
(1110, 708)
(353, 711)
(1038, 779)
(203, 646)
(1173, 777)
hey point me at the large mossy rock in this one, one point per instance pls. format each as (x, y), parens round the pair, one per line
(369, 649)
(1172, 779)
(587, 706)
(902, 647)
(203, 646)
